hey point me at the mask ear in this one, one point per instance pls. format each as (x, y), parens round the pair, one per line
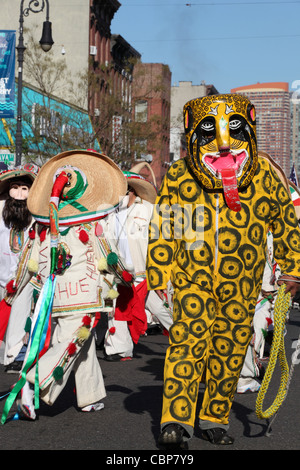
(251, 114)
(188, 119)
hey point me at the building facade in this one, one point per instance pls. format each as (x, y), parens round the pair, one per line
(111, 68)
(151, 94)
(50, 126)
(180, 95)
(295, 132)
(85, 44)
(273, 117)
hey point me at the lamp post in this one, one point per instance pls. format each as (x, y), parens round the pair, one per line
(46, 42)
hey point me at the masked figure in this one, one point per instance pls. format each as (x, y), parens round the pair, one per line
(73, 268)
(208, 236)
(15, 223)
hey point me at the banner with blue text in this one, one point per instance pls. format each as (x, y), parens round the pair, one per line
(7, 73)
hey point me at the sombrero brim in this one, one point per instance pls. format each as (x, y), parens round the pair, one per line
(142, 166)
(143, 188)
(106, 186)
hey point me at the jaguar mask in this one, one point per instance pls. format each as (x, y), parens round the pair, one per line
(221, 143)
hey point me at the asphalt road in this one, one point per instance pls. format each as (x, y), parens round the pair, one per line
(130, 419)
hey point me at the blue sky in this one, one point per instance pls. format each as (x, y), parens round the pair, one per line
(225, 43)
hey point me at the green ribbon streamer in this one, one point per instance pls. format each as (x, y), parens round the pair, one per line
(53, 257)
(34, 349)
(75, 193)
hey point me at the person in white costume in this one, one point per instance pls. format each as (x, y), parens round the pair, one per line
(15, 222)
(130, 225)
(251, 373)
(73, 264)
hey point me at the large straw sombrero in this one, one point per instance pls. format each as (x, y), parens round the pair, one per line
(22, 172)
(96, 188)
(143, 188)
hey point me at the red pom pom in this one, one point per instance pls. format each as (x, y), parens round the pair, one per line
(11, 289)
(43, 234)
(127, 276)
(71, 349)
(83, 236)
(31, 233)
(112, 330)
(86, 320)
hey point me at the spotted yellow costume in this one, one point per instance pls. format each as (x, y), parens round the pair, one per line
(208, 235)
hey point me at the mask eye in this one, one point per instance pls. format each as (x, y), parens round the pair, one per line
(235, 124)
(207, 126)
(237, 128)
(208, 131)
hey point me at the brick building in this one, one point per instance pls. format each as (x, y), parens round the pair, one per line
(83, 40)
(111, 68)
(151, 95)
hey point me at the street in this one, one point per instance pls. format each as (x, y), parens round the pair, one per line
(131, 416)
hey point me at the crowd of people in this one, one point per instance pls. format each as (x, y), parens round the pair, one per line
(201, 258)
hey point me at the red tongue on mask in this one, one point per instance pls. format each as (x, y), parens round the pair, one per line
(230, 189)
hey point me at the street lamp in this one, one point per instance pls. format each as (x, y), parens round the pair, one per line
(46, 42)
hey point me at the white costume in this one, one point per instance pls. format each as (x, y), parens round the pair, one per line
(79, 292)
(11, 244)
(262, 323)
(130, 227)
(8, 258)
(75, 267)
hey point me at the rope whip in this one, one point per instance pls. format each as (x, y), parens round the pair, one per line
(282, 305)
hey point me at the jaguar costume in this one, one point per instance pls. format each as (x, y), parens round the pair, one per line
(208, 235)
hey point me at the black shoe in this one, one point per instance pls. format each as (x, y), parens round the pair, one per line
(171, 437)
(112, 357)
(14, 367)
(154, 330)
(116, 358)
(217, 436)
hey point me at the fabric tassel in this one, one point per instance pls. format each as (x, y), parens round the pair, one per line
(102, 264)
(112, 259)
(33, 266)
(112, 294)
(58, 373)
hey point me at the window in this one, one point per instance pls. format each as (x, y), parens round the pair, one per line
(44, 120)
(140, 148)
(141, 111)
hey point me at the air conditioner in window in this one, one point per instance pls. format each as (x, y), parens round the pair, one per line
(93, 50)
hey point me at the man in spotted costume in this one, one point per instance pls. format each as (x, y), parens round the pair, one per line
(208, 235)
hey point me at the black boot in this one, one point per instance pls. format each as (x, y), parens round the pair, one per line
(171, 437)
(217, 436)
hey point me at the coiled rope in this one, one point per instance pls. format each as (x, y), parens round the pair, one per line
(281, 308)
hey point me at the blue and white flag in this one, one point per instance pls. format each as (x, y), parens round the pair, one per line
(7, 73)
(293, 176)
